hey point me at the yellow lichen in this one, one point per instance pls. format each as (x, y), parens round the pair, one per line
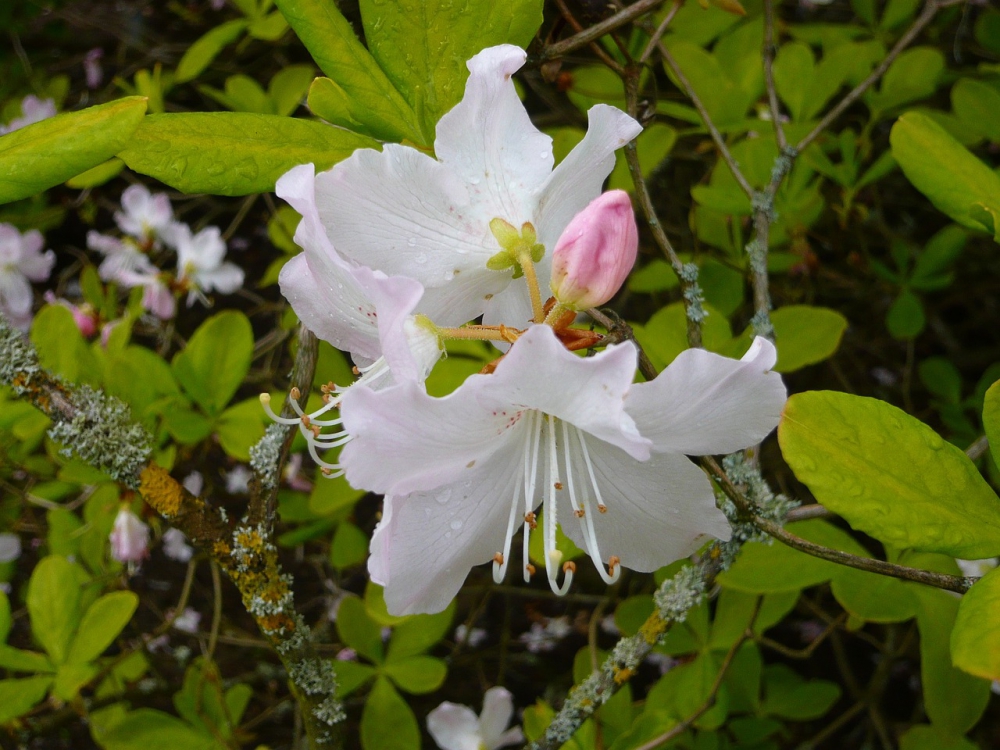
(161, 491)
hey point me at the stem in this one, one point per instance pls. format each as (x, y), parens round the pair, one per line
(654, 39)
(594, 47)
(528, 266)
(596, 31)
(481, 333)
(768, 58)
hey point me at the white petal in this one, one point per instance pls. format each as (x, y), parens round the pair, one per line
(513, 736)
(454, 727)
(589, 392)
(15, 294)
(226, 278)
(403, 213)
(488, 138)
(203, 251)
(658, 510)
(406, 441)
(579, 177)
(433, 539)
(35, 264)
(704, 403)
(498, 707)
(319, 284)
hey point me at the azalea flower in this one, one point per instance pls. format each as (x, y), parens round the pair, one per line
(572, 434)
(33, 110)
(145, 216)
(441, 220)
(175, 546)
(122, 258)
(200, 265)
(456, 727)
(21, 261)
(129, 537)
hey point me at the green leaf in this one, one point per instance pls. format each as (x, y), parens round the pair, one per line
(200, 54)
(5, 619)
(358, 630)
(905, 318)
(17, 697)
(953, 700)
(215, 360)
(54, 593)
(330, 495)
(349, 546)
(943, 169)
(806, 335)
(417, 674)
(146, 728)
(975, 641)
(61, 347)
(239, 427)
(50, 152)
(71, 677)
(927, 737)
(631, 613)
(889, 474)
(101, 624)
(387, 722)
(268, 28)
(788, 696)
(357, 95)
(423, 46)
(418, 633)
(351, 675)
(233, 153)
(977, 104)
(873, 598)
(991, 420)
(913, 75)
(24, 661)
(97, 176)
(289, 87)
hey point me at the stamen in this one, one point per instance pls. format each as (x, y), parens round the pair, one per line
(265, 401)
(553, 555)
(586, 519)
(532, 520)
(498, 558)
(534, 424)
(529, 570)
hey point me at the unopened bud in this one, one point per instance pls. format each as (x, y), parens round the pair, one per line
(595, 252)
(129, 537)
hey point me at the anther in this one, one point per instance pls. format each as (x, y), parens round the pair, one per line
(569, 567)
(602, 508)
(530, 569)
(498, 558)
(531, 520)
(355, 370)
(295, 393)
(579, 513)
(613, 562)
(315, 431)
(326, 471)
(558, 485)
(306, 420)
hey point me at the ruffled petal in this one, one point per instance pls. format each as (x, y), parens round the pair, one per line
(319, 284)
(658, 510)
(454, 727)
(434, 538)
(588, 392)
(16, 297)
(403, 213)
(488, 139)
(498, 707)
(406, 441)
(704, 403)
(579, 177)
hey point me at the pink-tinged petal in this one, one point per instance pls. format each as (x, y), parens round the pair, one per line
(454, 727)
(704, 403)
(403, 213)
(406, 441)
(433, 539)
(129, 537)
(10, 244)
(320, 284)
(498, 707)
(16, 297)
(202, 251)
(35, 264)
(394, 298)
(488, 139)
(658, 510)
(588, 392)
(580, 176)
(159, 300)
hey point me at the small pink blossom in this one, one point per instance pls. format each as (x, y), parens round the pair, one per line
(33, 110)
(21, 262)
(595, 252)
(83, 315)
(92, 67)
(129, 537)
(175, 546)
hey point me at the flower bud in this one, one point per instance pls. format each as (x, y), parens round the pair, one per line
(129, 537)
(595, 252)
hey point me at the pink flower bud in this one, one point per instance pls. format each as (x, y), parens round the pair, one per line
(129, 537)
(595, 252)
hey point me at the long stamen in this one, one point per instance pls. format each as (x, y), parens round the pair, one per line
(530, 467)
(502, 559)
(265, 401)
(601, 506)
(587, 518)
(552, 555)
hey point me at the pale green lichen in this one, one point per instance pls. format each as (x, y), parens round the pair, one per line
(17, 358)
(101, 432)
(694, 298)
(265, 456)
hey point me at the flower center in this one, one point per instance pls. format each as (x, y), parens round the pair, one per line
(541, 469)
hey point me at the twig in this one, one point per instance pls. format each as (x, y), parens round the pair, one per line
(598, 30)
(619, 330)
(958, 584)
(978, 448)
(805, 512)
(768, 58)
(594, 47)
(660, 30)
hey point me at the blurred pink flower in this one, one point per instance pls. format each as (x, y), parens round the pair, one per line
(21, 261)
(129, 537)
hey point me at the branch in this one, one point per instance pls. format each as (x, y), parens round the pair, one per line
(774, 529)
(772, 91)
(99, 429)
(596, 31)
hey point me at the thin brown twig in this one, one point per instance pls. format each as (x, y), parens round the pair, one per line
(598, 30)
(594, 47)
(655, 37)
(768, 58)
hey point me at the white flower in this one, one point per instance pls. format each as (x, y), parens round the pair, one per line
(175, 545)
(238, 480)
(187, 621)
(200, 266)
(21, 261)
(456, 727)
(977, 568)
(194, 483)
(462, 473)
(403, 212)
(10, 547)
(129, 537)
(541, 638)
(472, 637)
(124, 261)
(145, 216)
(33, 110)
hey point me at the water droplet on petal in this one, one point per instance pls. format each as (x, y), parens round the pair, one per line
(412, 242)
(444, 495)
(456, 525)
(421, 258)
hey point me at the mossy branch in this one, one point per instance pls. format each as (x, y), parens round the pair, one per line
(99, 430)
